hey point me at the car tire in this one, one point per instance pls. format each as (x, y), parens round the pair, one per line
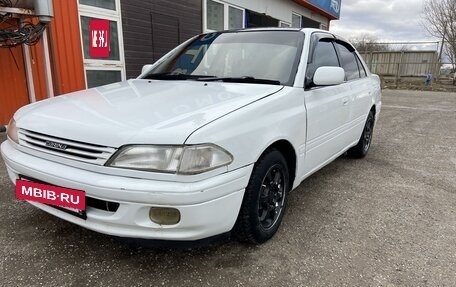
(264, 201)
(362, 148)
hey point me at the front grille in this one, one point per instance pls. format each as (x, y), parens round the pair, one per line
(90, 153)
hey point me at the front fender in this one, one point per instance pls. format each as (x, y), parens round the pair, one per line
(246, 133)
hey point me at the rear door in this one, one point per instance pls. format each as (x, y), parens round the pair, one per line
(360, 85)
(327, 108)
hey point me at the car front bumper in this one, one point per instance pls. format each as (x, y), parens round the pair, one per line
(208, 207)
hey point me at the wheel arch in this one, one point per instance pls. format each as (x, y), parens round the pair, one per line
(374, 109)
(288, 151)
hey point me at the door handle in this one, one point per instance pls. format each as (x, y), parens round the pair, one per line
(345, 101)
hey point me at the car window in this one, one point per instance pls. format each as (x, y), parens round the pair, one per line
(362, 70)
(324, 55)
(349, 62)
(270, 55)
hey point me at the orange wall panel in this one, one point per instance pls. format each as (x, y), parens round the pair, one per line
(65, 48)
(66, 62)
(13, 83)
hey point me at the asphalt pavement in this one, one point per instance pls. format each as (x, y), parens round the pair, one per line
(386, 220)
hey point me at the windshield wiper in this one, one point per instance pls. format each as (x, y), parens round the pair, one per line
(174, 76)
(244, 79)
(207, 78)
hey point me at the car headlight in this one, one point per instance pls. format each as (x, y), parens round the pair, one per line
(192, 159)
(12, 131)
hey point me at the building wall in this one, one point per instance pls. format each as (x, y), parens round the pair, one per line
(14, 80)
(279, 9)
(65, 64)
(65, 48)
(13, 83)
(152, 28)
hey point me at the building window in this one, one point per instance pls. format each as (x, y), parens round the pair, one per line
(103, 70)
(310, 23)
(296, 20)
(114, 53)
(284, 24)
(104, 4)
(96, 78)
(221, 16)
(215, 15)
(236, 18)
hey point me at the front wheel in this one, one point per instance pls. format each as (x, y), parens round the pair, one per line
(362, 148)
(264, 200)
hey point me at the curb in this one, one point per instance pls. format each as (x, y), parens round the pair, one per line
(2, 129)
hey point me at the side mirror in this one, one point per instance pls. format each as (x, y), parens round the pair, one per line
(146, 68)
(329, 76)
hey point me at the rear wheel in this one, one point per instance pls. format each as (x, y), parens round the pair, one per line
(362, 148)
(264, 200)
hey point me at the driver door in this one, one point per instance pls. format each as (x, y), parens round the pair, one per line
(328, 110)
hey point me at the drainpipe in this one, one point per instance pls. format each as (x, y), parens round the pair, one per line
(29, 73)
(47, 66)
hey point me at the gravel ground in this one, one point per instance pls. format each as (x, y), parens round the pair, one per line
(386, 220)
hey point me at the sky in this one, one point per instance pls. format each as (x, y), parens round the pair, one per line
(385, 20)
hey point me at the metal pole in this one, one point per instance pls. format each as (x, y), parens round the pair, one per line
(47, 61)
(29, 73)
(441, 47)
(439, 60)
(399, 65)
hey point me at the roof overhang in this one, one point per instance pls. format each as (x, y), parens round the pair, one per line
(319, 8)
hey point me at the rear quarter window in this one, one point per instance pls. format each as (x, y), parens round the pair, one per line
(362, 70)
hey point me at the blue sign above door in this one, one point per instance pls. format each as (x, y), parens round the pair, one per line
(330, 6)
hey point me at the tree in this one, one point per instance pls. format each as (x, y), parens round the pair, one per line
(451, 55)
(366, 43)
(440, 21)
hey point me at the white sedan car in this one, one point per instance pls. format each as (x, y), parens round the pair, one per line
(208, 140)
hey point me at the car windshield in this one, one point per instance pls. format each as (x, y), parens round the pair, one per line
(268, 57)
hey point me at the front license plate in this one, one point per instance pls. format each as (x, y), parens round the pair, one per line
(69, 200)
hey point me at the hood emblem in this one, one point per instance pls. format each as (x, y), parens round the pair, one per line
(56, 145)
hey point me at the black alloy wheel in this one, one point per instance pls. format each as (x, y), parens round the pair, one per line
(264, 200)
(362, 148)
(272, 197)
(367, 134)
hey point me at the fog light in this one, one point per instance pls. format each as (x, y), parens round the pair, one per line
(164, 216)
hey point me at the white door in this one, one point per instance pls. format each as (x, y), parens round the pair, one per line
(360, 85)
(328, 110)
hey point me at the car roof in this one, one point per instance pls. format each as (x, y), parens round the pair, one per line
(272, 29)
(304, 30)
(307, 31)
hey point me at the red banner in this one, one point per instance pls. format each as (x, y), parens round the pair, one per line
(49, 194)
(99, 38)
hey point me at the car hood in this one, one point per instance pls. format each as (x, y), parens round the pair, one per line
(138, 111)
